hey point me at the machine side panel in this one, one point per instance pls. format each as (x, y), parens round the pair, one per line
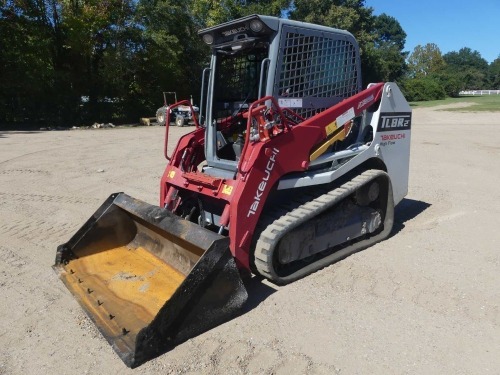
(392, 137)
(391, 143)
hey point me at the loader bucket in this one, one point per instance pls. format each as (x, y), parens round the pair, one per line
(148, 279)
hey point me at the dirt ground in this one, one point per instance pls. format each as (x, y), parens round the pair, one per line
(425, 301)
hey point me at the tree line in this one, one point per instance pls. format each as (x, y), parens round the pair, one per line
(432, 75)
(73, 62)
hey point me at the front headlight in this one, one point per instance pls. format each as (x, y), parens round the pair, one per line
(256, 25)
(208, 38)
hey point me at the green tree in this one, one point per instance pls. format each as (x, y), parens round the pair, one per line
(384, 59)
(350, 15)
(381, 38)
(64, 47)
(98, 39)
(389, 32)
(494, 69)
(172, 56)
(469, 67)
(425, 60)
(209, 13)
(421, 89)
(466, 57)
(27, 75)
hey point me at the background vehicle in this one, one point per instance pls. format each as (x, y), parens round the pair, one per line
(296, 168)
(182, 114)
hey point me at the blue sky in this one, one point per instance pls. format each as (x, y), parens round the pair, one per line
(451, 24)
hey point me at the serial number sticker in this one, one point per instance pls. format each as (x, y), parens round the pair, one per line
(290, 102)
(227, 189)
(346, 116)
(330, 128)
(171, 174)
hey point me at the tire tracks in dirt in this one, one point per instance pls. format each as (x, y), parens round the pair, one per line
(45, 150)
(401, 286)
(35, 230)
(21, 172)
(47, 198)
(244, 357)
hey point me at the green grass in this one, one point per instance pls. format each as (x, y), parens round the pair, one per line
(480, 103)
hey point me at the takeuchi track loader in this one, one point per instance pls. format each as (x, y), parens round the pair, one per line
(294, 166)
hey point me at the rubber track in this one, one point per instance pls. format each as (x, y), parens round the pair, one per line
(278, 222)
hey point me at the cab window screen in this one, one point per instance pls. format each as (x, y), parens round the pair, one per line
(316, 66)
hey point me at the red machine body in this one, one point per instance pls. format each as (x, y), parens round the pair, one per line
(261, 166)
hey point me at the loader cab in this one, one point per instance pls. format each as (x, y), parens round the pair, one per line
(306, 67)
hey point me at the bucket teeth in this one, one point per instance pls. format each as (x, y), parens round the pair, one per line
(167, 279)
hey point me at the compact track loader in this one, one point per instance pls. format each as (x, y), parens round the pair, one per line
(294, 167)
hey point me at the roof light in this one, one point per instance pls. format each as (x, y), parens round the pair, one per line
(208, 38)
(256, 25)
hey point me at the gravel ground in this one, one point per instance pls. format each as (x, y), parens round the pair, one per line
(424, 301)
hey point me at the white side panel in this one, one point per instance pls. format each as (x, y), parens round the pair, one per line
(392, 137)
(391, 125)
